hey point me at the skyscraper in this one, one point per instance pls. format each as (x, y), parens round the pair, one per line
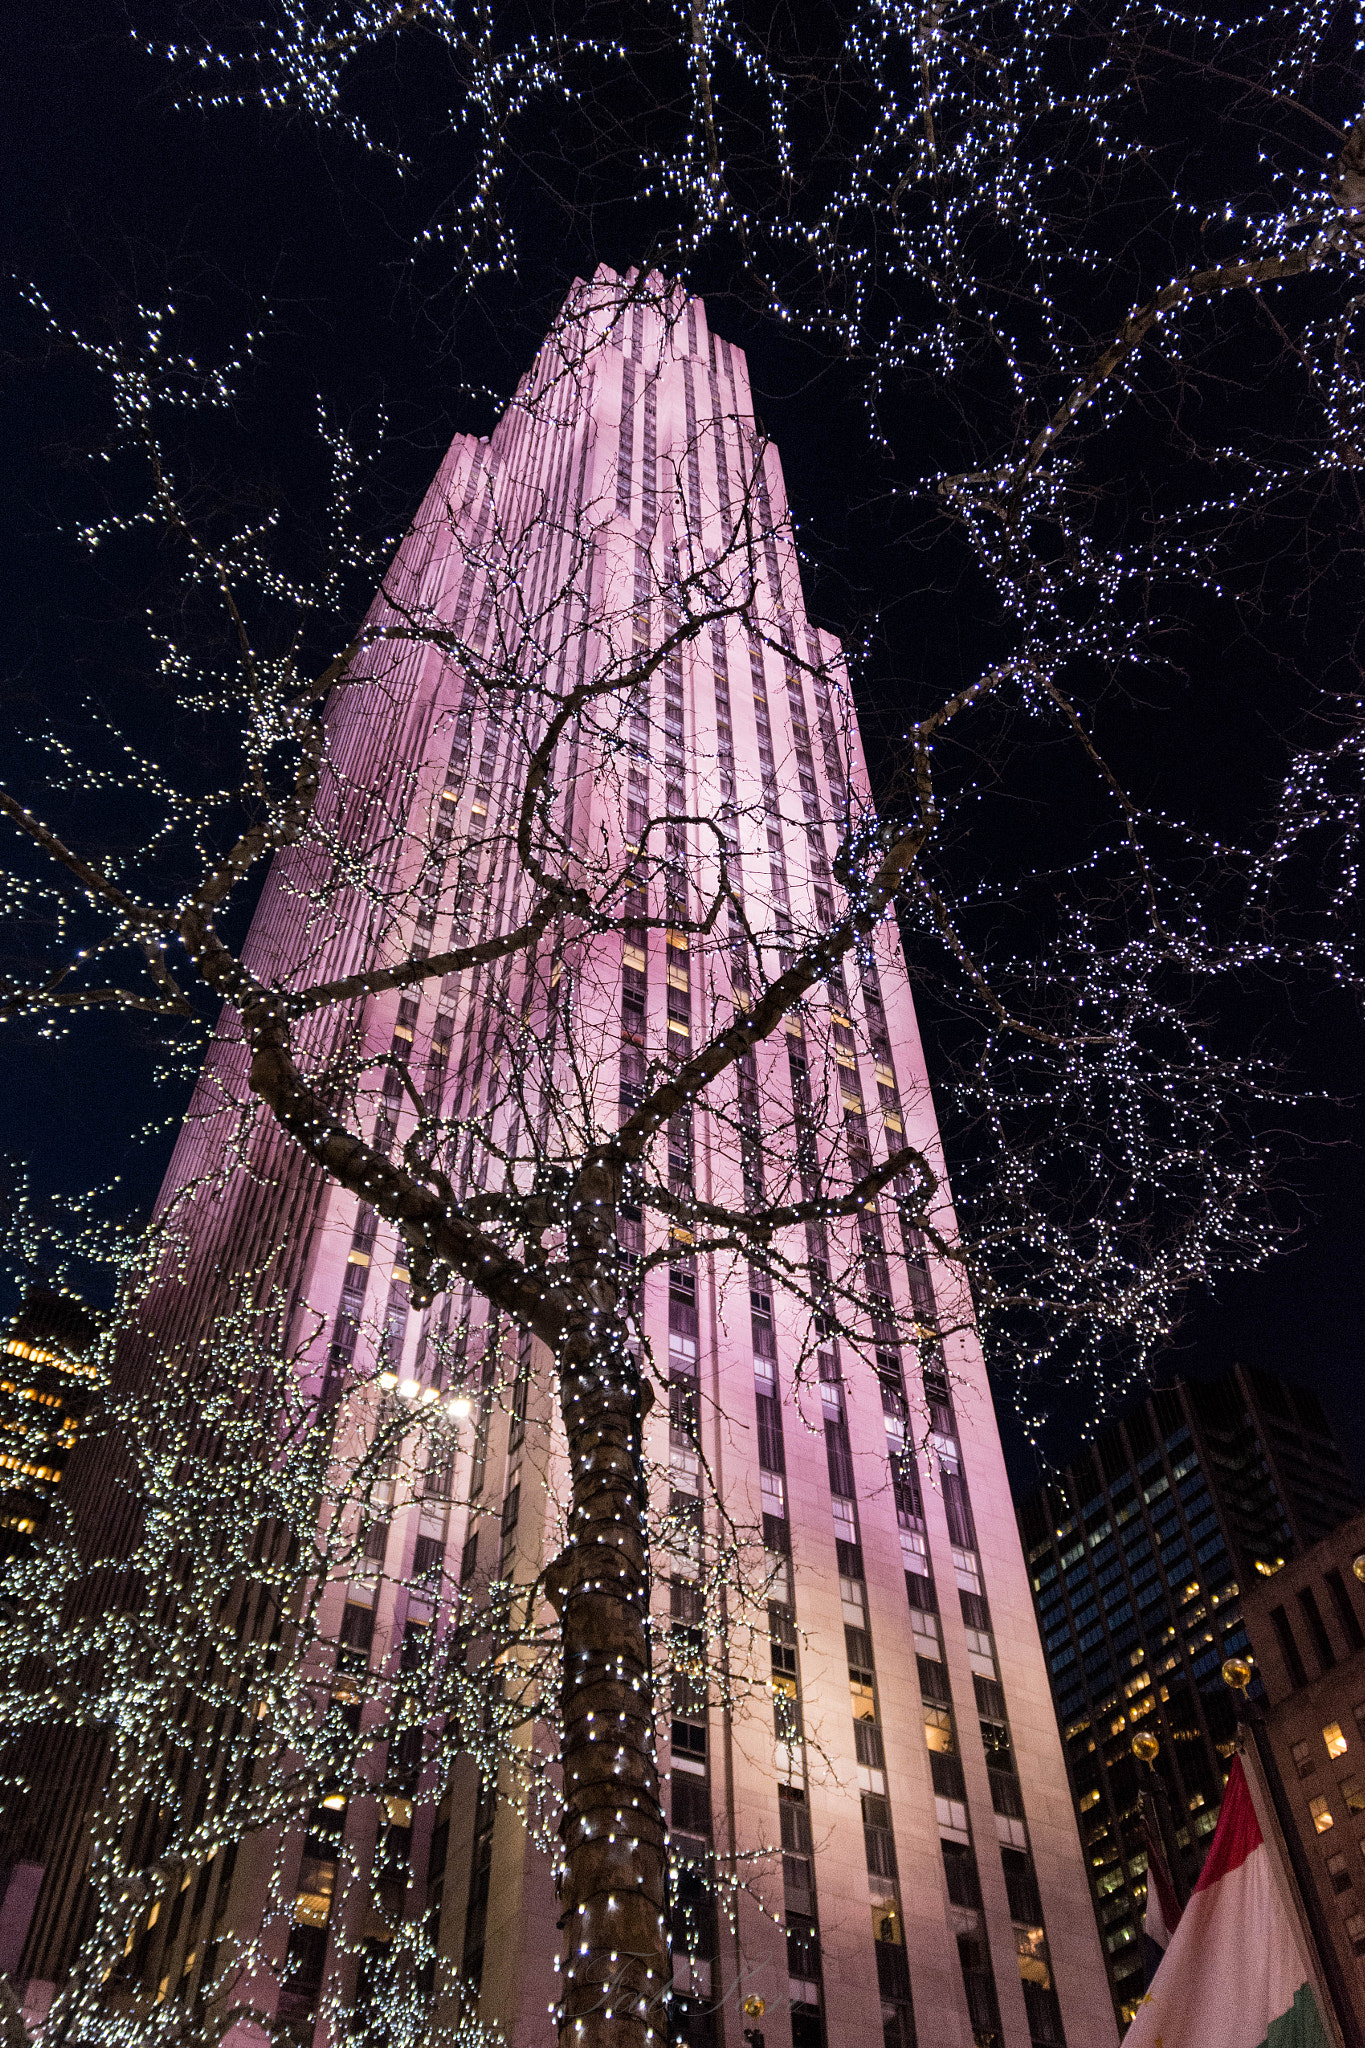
(882, 1792)
(1141, 1556)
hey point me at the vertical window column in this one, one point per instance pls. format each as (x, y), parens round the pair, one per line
(684, 1499)
(626, 444)
(768, 1404)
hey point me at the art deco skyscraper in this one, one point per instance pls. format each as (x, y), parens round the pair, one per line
(876, 1772)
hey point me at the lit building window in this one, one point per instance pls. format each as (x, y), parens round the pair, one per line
(1335, 1740)
(1322, 1819)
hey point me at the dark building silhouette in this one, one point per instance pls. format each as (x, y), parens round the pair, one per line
(1139, 1555)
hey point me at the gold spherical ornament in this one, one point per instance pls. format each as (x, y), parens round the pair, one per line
(1145, 1746)
(1237, 1673)
(1358, 1565)
(754, 2006)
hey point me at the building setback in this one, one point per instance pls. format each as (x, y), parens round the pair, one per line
(896, 1768)
(1140, 1557)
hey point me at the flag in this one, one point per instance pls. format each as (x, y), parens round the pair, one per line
(1162, 1916)
(1234, 1974)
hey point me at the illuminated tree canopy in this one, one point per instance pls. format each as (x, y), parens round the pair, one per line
(1088, 287)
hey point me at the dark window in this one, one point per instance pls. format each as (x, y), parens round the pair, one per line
(416, 1642)
(959, 1511)
(1022, 1886)
(691, 1805)
(858, 1649)
(893, 1974)
(357, 1625)
(439, 1477)
(1322, 1643)
(682, 1409)
(1006, 1796)
(881, 1851)
(1289, 1649)
(959, 1866)
(946, 1772)
(469, 1557)
(520, 1389)
(919, 1591)
(867, 1743)
(933, 1681)
(685, 1602)
(1346, 1614)
(769, 1434)
(840, 1458)
(803, 1946)
(795, 1820)
(1044, 2014)
(974, 1610)
(990, 1697)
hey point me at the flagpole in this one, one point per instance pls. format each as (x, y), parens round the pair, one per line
(1277, 1825)
(1146, 1749)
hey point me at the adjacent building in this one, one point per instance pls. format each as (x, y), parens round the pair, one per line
(894, 1791)
(1141, 1557)
(46, 1382)
(1307, 1631)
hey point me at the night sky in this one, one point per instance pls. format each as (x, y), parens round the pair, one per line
(114, 195)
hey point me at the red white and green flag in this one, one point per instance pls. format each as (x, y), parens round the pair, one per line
(1234, 1974)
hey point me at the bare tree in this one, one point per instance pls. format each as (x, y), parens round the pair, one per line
(1118, 1147)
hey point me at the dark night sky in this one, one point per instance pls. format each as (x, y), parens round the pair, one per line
(111, 191)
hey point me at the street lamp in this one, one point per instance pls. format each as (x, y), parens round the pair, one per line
(1237, 1674)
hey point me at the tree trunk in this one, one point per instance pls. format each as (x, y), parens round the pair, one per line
(614, 1884)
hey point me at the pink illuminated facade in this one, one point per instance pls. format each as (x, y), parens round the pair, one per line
(888, 1780)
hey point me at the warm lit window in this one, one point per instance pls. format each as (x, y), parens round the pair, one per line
(938, 1730)
(1303, 1759)
(1088, 1798)
(1335, 1740)
(1322, 1819)
(1339, 1874)
(1353, 1793)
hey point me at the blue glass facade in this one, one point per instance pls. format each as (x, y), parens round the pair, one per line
(1138, 1556)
